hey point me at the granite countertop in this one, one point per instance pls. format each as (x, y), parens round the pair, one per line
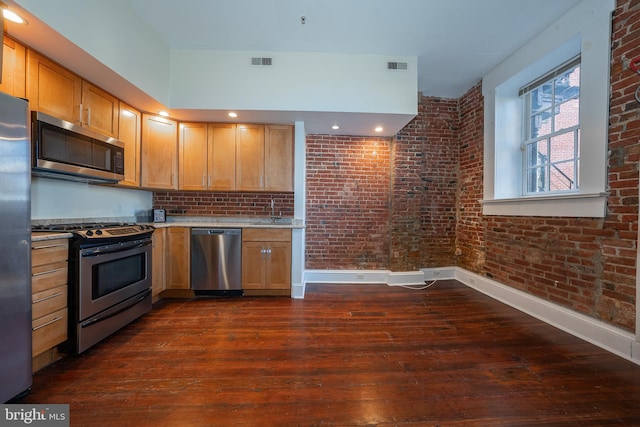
(229, 222)
(37, 236)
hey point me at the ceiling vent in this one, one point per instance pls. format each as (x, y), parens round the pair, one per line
(261, 61)
(396, 65)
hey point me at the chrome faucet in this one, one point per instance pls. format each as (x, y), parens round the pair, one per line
(274, 217)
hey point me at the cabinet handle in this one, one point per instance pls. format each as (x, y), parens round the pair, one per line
(48, 247)
(47, 324)
(89, 116)
(208, 181)
(57, 294)
(48, 271)
(80, 118)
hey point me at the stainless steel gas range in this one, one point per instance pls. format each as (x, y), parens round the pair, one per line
(110, 278)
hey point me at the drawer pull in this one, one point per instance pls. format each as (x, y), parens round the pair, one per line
(50, 246)
(49, 271)
(47, 324)
(57, 294)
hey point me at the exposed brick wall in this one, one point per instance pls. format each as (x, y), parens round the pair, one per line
(586, 264)
(223, 204)
(470, 243)
(347, 202)
(425, 169)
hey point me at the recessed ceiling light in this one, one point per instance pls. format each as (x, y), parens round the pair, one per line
(335, 127)
(379, 129)
(13, 17)
(163, 113)
(232, 114)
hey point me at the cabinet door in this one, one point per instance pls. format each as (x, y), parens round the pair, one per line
(129, 133)
(222, 156)
(278, 158)
(99, 110)
(254, 265)
(52, 89)
(178, 259)
(278, 266)
(250, 157)
(159, 153)
(192, 163)
(14, 57)
(157, 260)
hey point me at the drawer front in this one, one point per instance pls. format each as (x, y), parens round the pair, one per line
(266, 234)
(49, 331)
(48, 251)
(46, 302)
(49, 276)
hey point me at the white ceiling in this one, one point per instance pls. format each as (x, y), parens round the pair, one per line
(456, 41)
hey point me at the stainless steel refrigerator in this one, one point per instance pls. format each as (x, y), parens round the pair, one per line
(15, 248)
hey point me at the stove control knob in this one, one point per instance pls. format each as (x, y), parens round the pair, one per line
(98, 232)
(89, 233)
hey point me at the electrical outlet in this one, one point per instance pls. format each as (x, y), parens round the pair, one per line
(436, 274)
(360, 276)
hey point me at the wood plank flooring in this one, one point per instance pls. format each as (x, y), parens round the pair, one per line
(365, 355)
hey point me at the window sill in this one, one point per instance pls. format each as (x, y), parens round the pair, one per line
(568, 205)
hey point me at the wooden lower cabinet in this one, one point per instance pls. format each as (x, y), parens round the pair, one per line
(49, 287)
(177, 267)
(158, 263)
(266, 261)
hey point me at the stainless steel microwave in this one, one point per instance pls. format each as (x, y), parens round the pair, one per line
(64, 150)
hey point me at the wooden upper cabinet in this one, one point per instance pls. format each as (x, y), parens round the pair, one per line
(159, 153)
(250, 157)
(129, 131)
(53, 89)
(56, 91)
(193, 158)
(100, 110)
(14, 75)
(278, 158)
(222, 156)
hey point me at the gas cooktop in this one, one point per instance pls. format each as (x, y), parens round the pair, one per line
(98, 230)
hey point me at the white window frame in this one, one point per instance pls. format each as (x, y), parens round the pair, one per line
(586, 31)
(547, 168)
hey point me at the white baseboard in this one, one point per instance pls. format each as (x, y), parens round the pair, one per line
(350, 277)
(603, 335)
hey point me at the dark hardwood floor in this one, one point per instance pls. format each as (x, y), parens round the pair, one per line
(344, 356)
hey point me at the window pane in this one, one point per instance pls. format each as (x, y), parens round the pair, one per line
(536, 180)
(562, 176)
(541, 98)
(537, 153)
(567, 85)
(563, 147)
(540, 124)
(567, 114)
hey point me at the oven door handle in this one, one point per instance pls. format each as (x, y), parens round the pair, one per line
(91, 252)
(97, 319)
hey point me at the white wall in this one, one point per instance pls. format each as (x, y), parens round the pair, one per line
(204, 79)
(57, 199)
(111, 33)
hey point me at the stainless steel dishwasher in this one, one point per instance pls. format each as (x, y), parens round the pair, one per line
(216, 261)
